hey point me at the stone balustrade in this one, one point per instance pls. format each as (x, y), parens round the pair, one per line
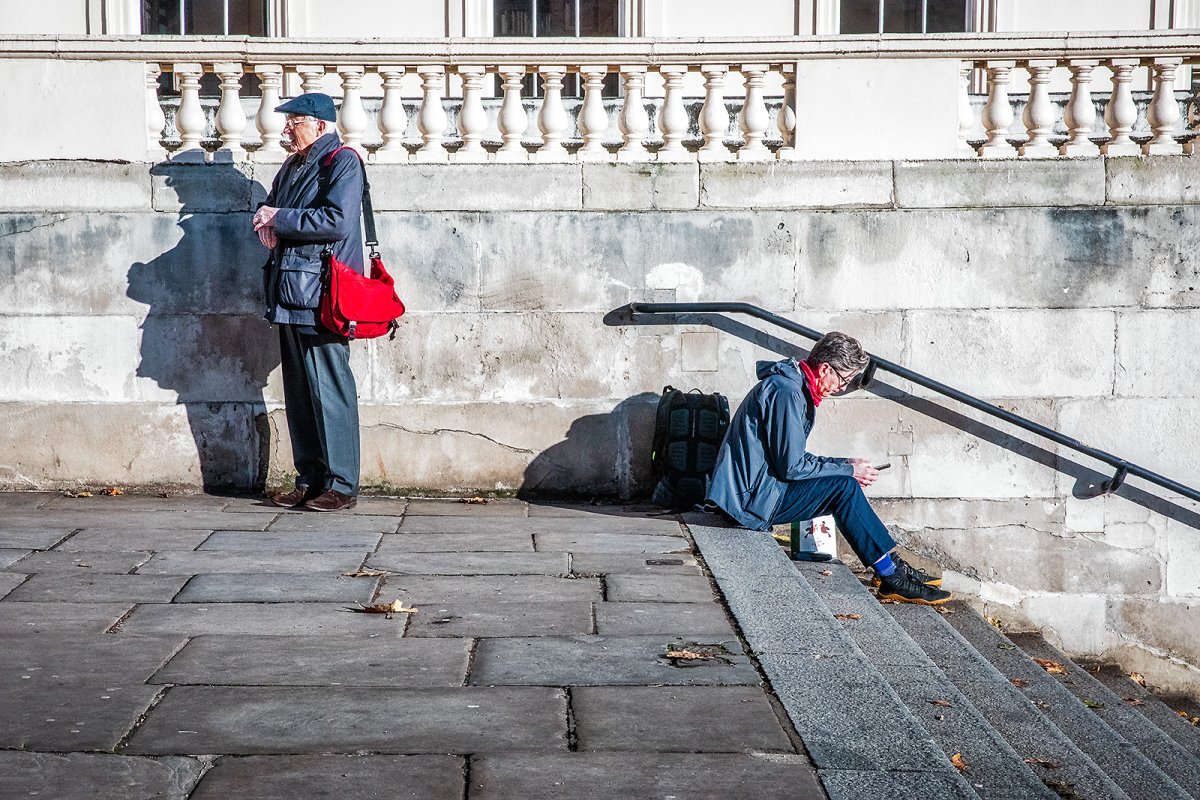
(785, 98)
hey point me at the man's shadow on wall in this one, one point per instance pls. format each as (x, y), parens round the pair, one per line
(204, 341)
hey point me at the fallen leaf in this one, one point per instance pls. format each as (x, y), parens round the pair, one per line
(1019, 683)
(685, 655)
(1043, 762)
(113, 491)
(957, 761)
(1188, 718)
(943, 610)
(1135, 701)
(826, 572)
(77, 494)
(940, 703)
(1090, 703)
(365, 573)
(475, 501)
(847, 616)
(1137, 678)
(995, 623)
(1006, 646)
(1051, 667)
(394, 607)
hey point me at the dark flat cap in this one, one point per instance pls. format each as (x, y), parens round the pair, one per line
(313, 104)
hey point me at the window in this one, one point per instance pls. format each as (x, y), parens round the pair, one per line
(204, 17)
(558, 18)
(904, 16)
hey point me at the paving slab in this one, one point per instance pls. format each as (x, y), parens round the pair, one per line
(618, 776)
(134, 539)
(630, 510)
(96, 776)
(453, 507)
(472, 563)
(455, 543)
(272, 561)
(33, 538)
(335, 523)
(634, 564)
(97, 659)
(25, 500)
(59, 618)
(381, 506)
(300, 587)
(491, 619)
(11, 556)
(84, 561)
(270, 619)
(609, 543)
(871, 785)
(103, 503)
(10, 581)
(426, 589)
(687, 719)
(329, 660)
(280, 721)
(310, 541)
(68, 718)
(676, 619)
(76, 518)
(653, 588)
(594, 524)
(292, 777)
(98, 588)
(603, 661)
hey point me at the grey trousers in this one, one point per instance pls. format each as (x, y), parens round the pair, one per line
(321, 401)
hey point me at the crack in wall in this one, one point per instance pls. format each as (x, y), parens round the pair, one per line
(17, 231)
(440, 431)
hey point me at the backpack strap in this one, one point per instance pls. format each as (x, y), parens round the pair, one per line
(368, 211)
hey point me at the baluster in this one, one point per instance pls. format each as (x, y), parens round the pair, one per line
(352, 117)
(1080, 113)
(393, 122)
(231, 119)
(1039, 113)
(672, 116)
(431, 118)
(998, 113)
(552, 118)
(966, 115)
(753, 118)
(714, 119)
(785, 120)
(1121, 113)
(472, 119)
(634, 122)
(312, 77)
(189, 120)
(156, 120)
(593, 119)
(512, 120)
(1163, 112)
(269, 121)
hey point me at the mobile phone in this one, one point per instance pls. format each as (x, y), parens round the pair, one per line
(882, 467)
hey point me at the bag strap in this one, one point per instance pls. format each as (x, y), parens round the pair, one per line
(368, 210)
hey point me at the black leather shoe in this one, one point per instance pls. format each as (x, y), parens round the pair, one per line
(293, 498)
(912, 573)
(331, 500)
(902, 588)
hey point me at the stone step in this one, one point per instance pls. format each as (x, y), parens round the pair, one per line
(1050, 754)
(1185, 734)
(994, 770)
(1120, 759)
(1148, 738)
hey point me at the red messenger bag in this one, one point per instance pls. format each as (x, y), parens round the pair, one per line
(359, 306)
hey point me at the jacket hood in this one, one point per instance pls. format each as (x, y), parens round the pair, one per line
(787, 367)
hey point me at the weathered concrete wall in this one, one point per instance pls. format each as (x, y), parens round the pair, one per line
(132, 353)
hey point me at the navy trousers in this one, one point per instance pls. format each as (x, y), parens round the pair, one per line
(842, 497)
(321, 402)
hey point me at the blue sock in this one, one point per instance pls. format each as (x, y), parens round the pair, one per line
(884, 566)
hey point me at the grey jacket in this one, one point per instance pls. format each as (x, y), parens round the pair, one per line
(764, 448)
(319, 207)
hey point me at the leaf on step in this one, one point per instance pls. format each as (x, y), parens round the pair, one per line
(1137, 678)
(1043, 762)
(945, 612)
(69, 493)
(394, 607)
(1135, 701)
(1188, 718)
(940, 703)
(1051, 667)
(1019, 683)
(685, 655)
(847, 616)
(113, 491)
(957, 761)
(365, 573)
(1090, 703)
(1006, 646)
(474, 501)
(995, 623)
(826, 572)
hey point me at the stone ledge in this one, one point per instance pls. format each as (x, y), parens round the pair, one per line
(1161, 180)
(801, 184)
(976, 183)
(75, 185)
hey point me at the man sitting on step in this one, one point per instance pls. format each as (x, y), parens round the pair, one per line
(765, 477)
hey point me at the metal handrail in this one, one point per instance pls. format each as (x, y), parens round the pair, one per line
(1123, 468)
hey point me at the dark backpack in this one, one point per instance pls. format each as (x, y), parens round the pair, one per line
(687, 434)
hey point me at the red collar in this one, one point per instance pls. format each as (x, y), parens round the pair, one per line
(810, 378)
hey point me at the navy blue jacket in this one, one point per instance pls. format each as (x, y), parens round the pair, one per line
(764, 448)
(319, 207)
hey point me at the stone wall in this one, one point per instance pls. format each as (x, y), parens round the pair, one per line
(132, 351)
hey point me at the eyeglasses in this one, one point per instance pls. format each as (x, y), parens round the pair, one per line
(294, 121)
(846, 383)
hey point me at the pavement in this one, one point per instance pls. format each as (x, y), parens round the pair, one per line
(202, 646)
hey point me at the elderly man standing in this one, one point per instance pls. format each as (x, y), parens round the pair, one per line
(764, 476)
(314, 206)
